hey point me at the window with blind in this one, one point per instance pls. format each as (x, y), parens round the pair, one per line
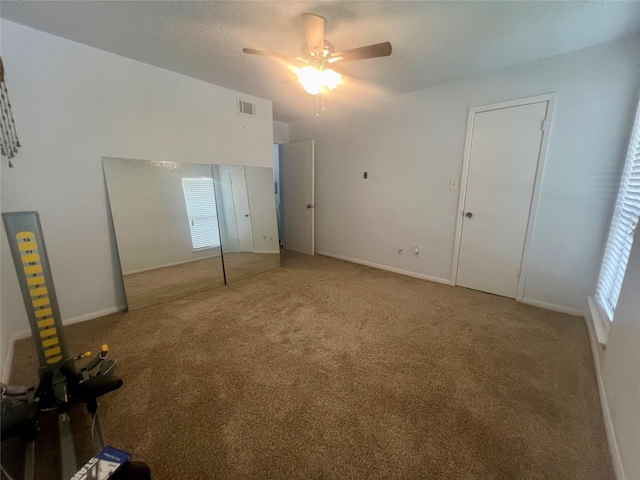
(201, 210)
(623, 227)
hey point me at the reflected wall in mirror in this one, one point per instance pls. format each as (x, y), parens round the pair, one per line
(165, 221)
(248, 226)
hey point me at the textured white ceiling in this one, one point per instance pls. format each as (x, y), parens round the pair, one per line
(433, 42)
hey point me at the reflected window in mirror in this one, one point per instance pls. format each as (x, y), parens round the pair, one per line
(202, 212)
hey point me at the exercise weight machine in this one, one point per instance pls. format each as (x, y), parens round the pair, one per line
(62, 384)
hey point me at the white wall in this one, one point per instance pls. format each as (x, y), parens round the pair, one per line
(617, 370)
(619, 366)
(149, 212)
(280, 132)
(73, 105)
(412, 145)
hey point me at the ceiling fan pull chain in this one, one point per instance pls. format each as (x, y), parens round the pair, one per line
(317, 107)
(323, 100)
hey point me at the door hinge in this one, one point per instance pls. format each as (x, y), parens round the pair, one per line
(518, 273)
(544, 125)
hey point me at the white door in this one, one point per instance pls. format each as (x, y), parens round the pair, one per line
(241, 208)
(297, 196)
(505, 147)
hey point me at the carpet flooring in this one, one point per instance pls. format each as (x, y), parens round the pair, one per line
(325, 369)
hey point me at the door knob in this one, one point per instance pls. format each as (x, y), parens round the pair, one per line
(468, 215)
(308, 205)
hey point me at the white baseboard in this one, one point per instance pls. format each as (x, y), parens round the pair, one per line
(614, 450)
(408, 273)
(131, 272)
(92, 315)
(267, 251)
(8, 360)
(553, 307)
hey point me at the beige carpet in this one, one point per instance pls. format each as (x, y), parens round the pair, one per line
(326, 369)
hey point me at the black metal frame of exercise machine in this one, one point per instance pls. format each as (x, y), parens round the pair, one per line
(21, 408)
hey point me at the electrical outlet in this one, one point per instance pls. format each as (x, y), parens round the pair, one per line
(401, 250)
(416, 251)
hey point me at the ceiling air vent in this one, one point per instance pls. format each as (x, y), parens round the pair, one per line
(246, 108)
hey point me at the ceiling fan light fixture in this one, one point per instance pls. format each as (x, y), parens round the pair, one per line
(315, 68)
(313, 79)
(312, 89)
(310, 79)
(331, 78)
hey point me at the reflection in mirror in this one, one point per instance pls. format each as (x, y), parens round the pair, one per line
(165, 221)
(249, 230)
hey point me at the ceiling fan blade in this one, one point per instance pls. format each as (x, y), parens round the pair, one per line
(266, 53)
(361, 53)
(314, 31)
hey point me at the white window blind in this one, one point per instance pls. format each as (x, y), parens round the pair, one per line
(201, 210)
(623, 227)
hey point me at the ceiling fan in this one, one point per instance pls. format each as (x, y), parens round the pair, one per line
(318, 67)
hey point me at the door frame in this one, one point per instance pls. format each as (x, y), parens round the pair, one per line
(542, 155)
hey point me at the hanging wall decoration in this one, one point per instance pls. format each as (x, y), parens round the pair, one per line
(9, 142)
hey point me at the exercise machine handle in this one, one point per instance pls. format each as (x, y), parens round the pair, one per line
(98, 359)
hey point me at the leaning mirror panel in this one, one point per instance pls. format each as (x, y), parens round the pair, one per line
(166, 229)
(249, 229)
(174, 223)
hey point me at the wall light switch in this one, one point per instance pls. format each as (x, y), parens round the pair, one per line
(453, 184)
